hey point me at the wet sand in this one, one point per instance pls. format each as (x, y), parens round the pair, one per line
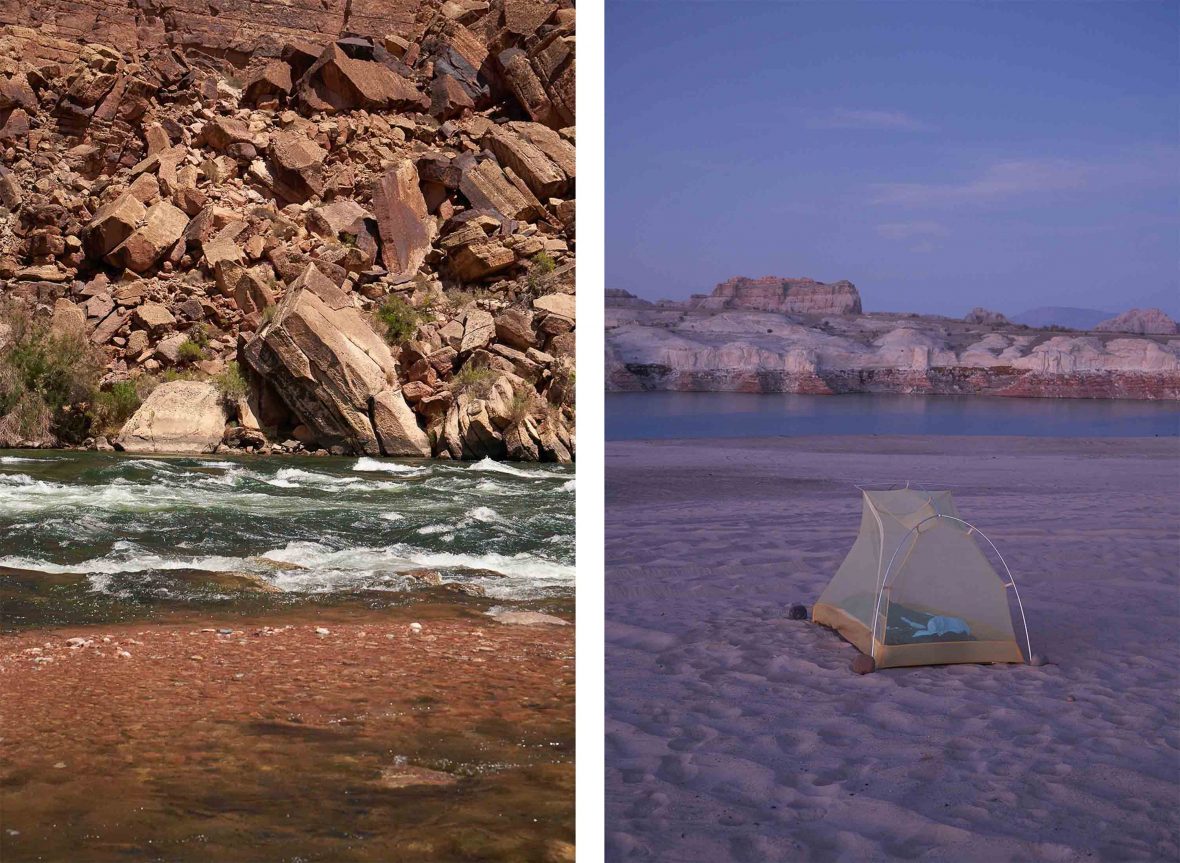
(264, 739)
(734, 733)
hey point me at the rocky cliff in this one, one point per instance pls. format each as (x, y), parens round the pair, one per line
(1139, 321)
(364, 209)
(789, 296)
(694, 349)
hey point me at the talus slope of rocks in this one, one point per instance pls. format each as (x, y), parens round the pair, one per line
(366, 210)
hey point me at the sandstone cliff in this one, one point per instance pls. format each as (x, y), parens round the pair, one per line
(694, 349)
(1141, 322)
(364, 210)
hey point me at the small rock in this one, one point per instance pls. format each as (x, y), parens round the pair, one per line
(864, 664)
(320, 631)
(1037, 660)
(415, 627)
(797, 612)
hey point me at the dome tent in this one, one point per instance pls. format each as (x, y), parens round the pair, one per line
(916, 589)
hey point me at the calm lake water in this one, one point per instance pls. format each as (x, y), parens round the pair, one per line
(87, 537)
(637, 416)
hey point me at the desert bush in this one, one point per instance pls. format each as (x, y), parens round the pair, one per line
(27, 419)
(399, 318)
(43, 376)
(190, 352)
(232, 383)
(199, 336)
(525, 404)
(473, 380)
(111, 408)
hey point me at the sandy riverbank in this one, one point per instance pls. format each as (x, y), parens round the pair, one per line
(343, 735)
(735, 734)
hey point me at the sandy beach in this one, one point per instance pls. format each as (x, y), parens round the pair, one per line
(734, 733)
(426, 733)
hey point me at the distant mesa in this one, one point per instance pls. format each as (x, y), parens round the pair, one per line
(777, 294)
(625, 299)
(1140, 322)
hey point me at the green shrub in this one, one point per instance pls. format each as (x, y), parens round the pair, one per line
(190, 352)
(231, 383)
(473, 380)
(525, 403)
(43, 375)
(399, 318)
(199, 336)
(543, 264)
(111, 408)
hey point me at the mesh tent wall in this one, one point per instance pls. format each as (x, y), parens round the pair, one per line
(914, 564)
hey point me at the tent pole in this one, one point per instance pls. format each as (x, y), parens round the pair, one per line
(992, 545)
(1011, 579)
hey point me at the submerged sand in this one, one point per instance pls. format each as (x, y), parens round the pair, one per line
(734, 733)
(424, 733)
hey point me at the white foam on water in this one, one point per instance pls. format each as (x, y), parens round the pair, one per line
(392, 516)
(569, 486)
(431, 529)
(372, 465)
(118, 564)
(222, 464)
(490, 486)
(21, 493)
(317, 567)
(326, 568)
(521, 565)
(293, 477)
(485, 514)
(296, 478)
(488, 465)
(15, 459)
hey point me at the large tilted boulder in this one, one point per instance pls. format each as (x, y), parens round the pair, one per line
(402, 220)
(113, 224)
(334, 372)
(180, 416)
(337, 82)
(297, 166)
(162, 228)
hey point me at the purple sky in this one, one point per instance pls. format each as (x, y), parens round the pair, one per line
(939, 155)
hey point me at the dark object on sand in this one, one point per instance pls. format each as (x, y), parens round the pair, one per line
(864, 664)
(797, 612)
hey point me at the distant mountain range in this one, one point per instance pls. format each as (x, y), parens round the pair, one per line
(1062, 316)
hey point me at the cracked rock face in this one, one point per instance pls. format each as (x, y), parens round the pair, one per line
(323, 358)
